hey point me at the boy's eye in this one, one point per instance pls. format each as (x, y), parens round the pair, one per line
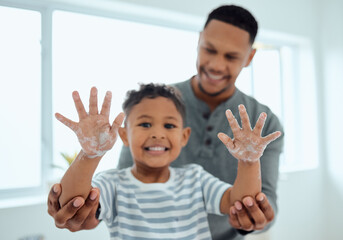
(145, 125)
(169, 125)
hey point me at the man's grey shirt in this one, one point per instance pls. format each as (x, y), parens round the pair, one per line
(206, 149)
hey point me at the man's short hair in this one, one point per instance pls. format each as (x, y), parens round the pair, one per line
(236, 16)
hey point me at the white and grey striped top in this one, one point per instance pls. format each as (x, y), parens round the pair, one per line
(176, 209)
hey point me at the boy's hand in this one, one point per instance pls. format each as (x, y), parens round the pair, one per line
(247, 145)
(93, 130)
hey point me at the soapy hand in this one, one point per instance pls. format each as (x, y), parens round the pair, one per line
(247, 145)
(95, 134)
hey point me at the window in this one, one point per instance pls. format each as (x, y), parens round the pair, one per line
(20, 127)
(281, 76)
(112, 55)
(115, 55)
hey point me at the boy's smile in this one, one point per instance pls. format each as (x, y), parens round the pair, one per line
(155, 133)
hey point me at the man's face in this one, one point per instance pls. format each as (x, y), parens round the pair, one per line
(223, 51)
(154, 133)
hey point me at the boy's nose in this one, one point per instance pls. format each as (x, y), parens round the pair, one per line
(158, 135)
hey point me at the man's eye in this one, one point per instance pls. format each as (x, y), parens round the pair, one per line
(169, 126)
(145, 125)
(209, 50)
(229, 57)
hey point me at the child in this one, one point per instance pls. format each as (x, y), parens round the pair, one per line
(152, 200)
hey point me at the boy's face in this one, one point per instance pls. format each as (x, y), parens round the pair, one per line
(154, 132)
(223, 50)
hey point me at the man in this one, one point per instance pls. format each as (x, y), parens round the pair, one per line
(224, 49)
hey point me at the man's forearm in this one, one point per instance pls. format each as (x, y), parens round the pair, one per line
(77, 179)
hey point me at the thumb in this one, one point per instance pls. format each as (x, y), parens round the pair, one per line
(226, 140)
(117, 122)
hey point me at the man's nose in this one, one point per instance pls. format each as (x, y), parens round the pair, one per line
(218, 64)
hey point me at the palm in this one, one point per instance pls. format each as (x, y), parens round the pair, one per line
(247, 144)
(93, 130)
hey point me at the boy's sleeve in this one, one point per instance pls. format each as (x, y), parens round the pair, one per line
(107, 207)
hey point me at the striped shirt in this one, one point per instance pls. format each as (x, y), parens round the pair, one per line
(176, 209)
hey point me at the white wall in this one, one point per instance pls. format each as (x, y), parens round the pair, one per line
(331, 36)
(19, 222)
(308, 201)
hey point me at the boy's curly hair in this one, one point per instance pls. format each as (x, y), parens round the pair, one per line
(151, 90)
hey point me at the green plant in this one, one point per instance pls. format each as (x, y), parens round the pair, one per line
(69, 158)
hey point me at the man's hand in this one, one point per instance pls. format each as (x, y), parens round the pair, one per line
(253, 215)
(77, 214)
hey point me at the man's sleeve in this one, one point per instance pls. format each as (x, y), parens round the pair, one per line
(125, 158)
(270, 164)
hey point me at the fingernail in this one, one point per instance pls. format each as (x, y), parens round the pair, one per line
(248, 202)
(55, 189)
(238, 206)
(93, 195)
(260, 198)
(233, 211)
(77, 203)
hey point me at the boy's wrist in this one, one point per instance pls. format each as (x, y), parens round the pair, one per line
(248, 162)
(98, 155)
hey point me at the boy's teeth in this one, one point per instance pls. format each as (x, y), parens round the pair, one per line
(157, 148)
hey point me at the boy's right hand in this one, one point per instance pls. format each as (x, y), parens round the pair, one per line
(93, 130)
(77, 214)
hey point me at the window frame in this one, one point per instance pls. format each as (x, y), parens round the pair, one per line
(122, 11)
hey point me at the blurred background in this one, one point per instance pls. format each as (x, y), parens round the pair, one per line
(49, 48)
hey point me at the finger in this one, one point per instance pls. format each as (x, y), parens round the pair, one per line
(233, 218)
(260, 123)
(93, 102)
(66, 121)
(86, 212)
(105, 110)
(91, 221)
(117, 122)
(68, 211)
(265, 206)
(79, 105)
(226, 140)
(233, 122)
(93, 201)
(53, 204)
(243, 217)
(244, 117)
(255, 213)
(271, 137)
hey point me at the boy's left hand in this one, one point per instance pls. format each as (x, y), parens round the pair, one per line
(247, 144)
